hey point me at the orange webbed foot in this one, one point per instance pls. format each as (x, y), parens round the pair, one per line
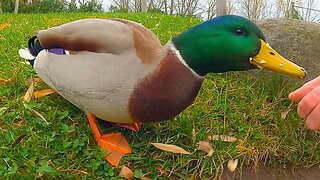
(115, 143)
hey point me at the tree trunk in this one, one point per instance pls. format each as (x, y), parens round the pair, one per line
(211, 8)
(221, 7)
(73, 2)
(16, 7)
(127, 5)
(143, 5)
(165, 6)
(171, 7)
(1, 7)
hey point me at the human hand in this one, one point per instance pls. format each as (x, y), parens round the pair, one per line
(308, 97)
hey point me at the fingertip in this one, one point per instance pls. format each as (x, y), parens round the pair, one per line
(290, 96)
(294, 96)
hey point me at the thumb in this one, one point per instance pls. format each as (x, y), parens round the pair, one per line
(298, 94)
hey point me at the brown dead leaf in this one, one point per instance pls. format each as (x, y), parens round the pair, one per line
(73, 133)
(170, 148)
(206, 147)
(38, 114)
(7, 80)
(126, 173)
(43, 93)
(27, 97)
(2, 26)
(18, 140)
(35, 80)
(19, 124)
(286, 112)
(232, 165)
(224, 138)
(144, 178)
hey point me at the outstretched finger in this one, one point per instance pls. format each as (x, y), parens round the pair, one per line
(298, 94)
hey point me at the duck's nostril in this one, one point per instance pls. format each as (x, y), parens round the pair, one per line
(305, 72)
(272, 53)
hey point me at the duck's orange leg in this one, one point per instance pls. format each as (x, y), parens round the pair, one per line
(115, 143)
(133, 126)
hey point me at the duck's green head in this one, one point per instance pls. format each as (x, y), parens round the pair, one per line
(230, 43)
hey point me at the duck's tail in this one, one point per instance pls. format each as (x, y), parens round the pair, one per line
(30, 54)
(34, 48)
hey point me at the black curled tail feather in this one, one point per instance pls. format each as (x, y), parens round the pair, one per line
(34, 46)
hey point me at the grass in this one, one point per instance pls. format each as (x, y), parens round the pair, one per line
(242, 106)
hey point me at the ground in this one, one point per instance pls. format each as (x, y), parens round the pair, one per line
(56, 142)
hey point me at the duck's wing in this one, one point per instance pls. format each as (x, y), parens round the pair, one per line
(108, 57)
(102, 36)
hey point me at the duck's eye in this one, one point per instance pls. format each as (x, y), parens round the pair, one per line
(240, 32)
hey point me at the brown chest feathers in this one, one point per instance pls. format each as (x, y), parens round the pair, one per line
(164, 93)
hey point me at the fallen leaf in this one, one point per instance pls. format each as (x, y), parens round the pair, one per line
(7, 80)
(144, 178)
(18, 140)
(73, 133)
(38, 114)
(224, 138)
(27, 97)
(126, 173)
(2, 26)
(19, 124)
(41, 173)
(35, 80)
(170, 148)
(232, 165)
(194, 135)
(43, 93)
(206, 147)
(285, 112)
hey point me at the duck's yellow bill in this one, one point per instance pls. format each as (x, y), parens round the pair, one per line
(270, 59)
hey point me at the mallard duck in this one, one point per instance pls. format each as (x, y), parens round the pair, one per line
(118, 71)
